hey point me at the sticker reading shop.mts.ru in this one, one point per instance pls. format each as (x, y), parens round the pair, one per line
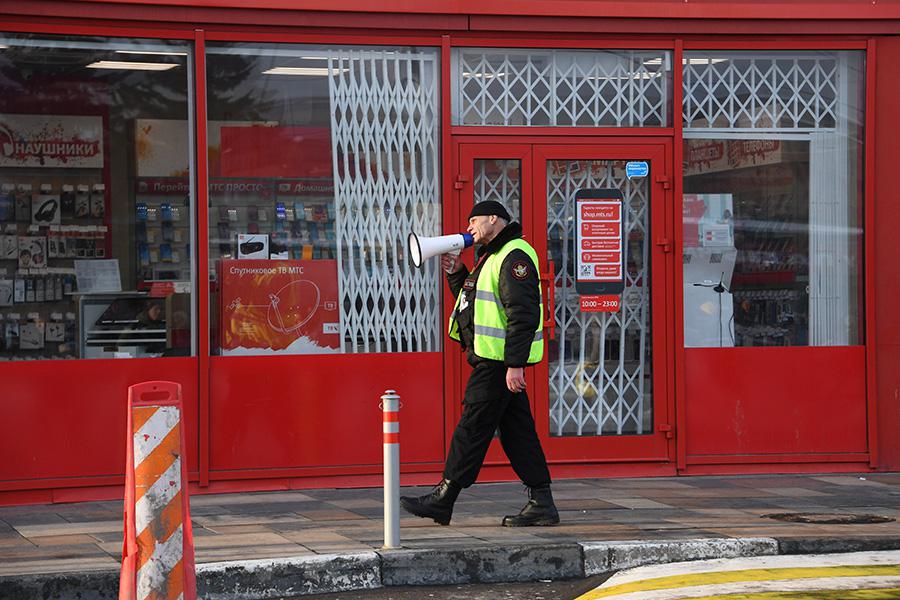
(598, 245)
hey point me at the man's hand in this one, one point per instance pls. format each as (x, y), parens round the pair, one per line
(450, 262)
(515, 379)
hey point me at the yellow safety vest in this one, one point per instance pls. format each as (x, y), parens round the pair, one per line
(490, 316)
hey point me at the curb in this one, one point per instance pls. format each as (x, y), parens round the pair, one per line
(324, 573)
(604, 557)
(481, 564)
(295, 576)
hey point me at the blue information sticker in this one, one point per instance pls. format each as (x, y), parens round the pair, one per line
(637, 168)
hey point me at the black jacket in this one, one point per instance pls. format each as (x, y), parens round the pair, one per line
(519, 293)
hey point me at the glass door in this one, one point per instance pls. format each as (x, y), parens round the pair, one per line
(602, 388)
(500, 172)
(601, 392)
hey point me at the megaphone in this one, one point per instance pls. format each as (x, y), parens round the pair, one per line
(423, 248)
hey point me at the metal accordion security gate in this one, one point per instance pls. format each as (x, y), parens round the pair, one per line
(601, 372)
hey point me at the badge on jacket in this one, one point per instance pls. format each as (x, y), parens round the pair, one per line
(520, 269)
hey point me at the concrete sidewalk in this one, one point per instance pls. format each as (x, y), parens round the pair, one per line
(277, 544)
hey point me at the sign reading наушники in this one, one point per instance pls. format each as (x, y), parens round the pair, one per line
(599, 267)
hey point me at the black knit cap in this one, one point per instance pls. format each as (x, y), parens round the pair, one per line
(488, 208)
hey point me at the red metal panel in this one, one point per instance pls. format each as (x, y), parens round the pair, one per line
(859, 466)
(49, 22)
(201, 284)
(66, 418)
(779, 459)
(590, 25)
(885, 283)
(222, 14)
(678, 237)
(451, 221)
(798, 9)
(271, 412)
(775, 400)
(869, 254)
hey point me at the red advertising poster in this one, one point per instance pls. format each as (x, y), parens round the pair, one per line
(600, 303)
(276, 152)
(710, 156)
(599, 249)
(284, 306)
(51, 141)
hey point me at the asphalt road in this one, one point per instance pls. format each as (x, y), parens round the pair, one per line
(845, 576)
(553, 590)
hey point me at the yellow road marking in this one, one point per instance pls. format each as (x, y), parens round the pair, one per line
(695, 579)
(877, 594)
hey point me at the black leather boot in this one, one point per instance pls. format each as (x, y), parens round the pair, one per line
(437, 505)
(539, 510)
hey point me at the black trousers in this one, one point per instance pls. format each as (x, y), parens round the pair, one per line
(488, 405)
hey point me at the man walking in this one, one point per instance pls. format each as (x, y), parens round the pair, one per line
(497, 321)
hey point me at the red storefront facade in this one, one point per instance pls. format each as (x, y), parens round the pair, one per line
(766, 141)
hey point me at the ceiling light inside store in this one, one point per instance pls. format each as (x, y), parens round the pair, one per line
(693, 61)
(151, 53)
(641, 75)
(703, 61)
(483, 75)
(134, 66)
(311, 71)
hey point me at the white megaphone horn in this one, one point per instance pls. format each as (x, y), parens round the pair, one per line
(423, 248)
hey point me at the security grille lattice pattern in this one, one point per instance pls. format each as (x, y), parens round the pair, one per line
(385, 125)
(600, 363)
(560, 88)
(501, 180)
(743, 91)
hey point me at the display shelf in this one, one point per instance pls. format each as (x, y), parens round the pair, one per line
(299, 223)
(48, 219)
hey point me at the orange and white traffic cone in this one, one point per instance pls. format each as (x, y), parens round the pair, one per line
(158, 550)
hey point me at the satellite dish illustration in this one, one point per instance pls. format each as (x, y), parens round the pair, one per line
(291, 307)
(279, 306)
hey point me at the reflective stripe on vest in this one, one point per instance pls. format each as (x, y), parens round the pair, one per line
(490, 316)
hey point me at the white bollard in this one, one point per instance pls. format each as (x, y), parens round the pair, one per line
(390, 408)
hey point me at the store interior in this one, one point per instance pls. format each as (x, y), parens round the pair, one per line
(85, 271)
(748, 234)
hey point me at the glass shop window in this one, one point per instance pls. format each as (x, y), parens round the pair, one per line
(95, 198)
(773, 197)
(322, 160)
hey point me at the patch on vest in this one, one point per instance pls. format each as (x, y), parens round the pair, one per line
(520, 269)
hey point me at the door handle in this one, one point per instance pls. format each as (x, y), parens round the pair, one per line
(548, 280)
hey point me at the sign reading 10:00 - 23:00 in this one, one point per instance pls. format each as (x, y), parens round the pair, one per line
(599, 269)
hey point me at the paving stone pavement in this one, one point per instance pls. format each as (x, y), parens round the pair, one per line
(85, 537)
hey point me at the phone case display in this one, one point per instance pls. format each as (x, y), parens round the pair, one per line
(162, 230)
(295, 218)
(48, 218)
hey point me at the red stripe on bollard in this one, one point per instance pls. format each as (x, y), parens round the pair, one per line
(391, 438)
